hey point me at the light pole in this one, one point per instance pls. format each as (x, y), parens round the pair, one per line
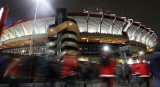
(35, 17)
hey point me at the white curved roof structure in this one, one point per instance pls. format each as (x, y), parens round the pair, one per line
(91, 23)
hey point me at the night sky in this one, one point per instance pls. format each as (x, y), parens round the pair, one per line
(145, 11)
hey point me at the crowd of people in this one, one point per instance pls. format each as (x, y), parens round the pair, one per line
(39, 69)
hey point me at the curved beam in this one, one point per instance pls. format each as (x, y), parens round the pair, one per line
(68, 25)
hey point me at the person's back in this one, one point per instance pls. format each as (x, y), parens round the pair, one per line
(134, 75)
(13, 71)
(126, 69)
(154, 64)
(143, 69)
(3, 65)
(127, 72)
(119, 70)
(107, 71)
(154, 59)
(94, 71)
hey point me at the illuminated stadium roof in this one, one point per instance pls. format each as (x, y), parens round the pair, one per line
(87, 22)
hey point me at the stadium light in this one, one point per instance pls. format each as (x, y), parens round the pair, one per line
(106, 48)
(137, 61)
(1, 11)
(130, 61)
(144, 61)
(140, 53)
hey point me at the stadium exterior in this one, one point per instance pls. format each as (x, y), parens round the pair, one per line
(96, 31)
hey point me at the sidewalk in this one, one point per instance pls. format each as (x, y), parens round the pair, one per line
(78, 85)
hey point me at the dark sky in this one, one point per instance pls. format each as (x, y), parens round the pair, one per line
(145, 11)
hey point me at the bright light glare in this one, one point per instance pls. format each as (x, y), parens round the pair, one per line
(106, 48)
(130, 61)
(40, 0)
(1, 11)
(137, 61)
(141, 52)
(44, 8)
(83, 59)
(144, 61)
(23, 51)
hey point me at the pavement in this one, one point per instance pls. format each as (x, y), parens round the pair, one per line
(61, 84)
(89, 85)
(93, 83)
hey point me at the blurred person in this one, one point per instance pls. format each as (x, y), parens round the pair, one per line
(107, 69)
(13, 71)
(68, 69)
(134, 75)
(4, 58)
(39, 69)
(85, 71)
(142, 69)
(94, 72)
(119, 73)
(51, 71)
(127, 72)
(154, 59)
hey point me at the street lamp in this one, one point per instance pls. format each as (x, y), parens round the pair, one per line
(35, 17)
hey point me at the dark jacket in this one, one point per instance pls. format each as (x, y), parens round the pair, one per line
(127, 69)
(3, 65)
(154, 65)
(119, 70)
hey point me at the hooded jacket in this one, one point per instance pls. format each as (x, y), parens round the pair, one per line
(142, 69)
(154, 65)
(109, 69)
(68, 65)
(133, 69)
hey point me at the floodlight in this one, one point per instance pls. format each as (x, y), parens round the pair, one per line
(130, 61)
(141, 53)
(106, 48)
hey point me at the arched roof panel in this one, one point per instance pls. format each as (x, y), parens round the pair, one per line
(87, 22)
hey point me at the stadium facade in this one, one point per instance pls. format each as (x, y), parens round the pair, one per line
(94, 31)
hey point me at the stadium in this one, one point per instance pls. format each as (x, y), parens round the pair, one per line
(94, 31)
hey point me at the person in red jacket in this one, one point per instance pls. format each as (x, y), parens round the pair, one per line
(13, 71)
(68, 68)
(107, 69)
(143, 70)
(68, 65)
